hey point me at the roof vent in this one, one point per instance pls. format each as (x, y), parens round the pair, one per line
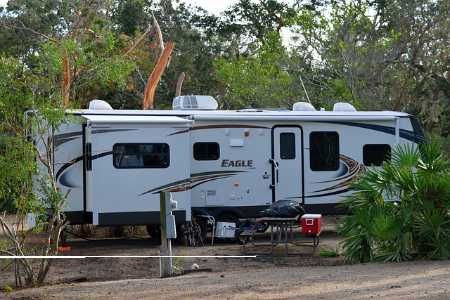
(194, 102)
(343, 106)
(99, 105)
(303, 106)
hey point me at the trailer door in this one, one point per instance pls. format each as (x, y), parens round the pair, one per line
(287, 163)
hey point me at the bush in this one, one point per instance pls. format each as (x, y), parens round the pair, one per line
(401, 210)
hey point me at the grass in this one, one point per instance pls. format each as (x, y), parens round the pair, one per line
(328, 252)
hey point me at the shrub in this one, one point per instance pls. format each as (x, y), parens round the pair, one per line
(401, 210)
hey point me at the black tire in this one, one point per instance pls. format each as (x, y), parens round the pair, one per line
(154, 231)
(181, 237)
(117, 231)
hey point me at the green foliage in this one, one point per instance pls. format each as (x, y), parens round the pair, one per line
(7, 288)
(257, 81)
(17, 161)
(328, 252)
(401, 210)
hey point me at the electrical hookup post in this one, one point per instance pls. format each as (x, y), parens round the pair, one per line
(168, 232)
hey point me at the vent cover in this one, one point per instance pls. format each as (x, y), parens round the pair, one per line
(194, 102)
(343, 106)
(303, 106)
(99, 105)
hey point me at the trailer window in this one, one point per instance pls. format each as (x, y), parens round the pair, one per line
(206, 151)
(324, 151)
(375, 154)
(136, 156)
(287, 145)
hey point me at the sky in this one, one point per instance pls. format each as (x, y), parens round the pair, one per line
(213, 6)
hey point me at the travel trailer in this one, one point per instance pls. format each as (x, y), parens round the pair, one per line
(227, 163)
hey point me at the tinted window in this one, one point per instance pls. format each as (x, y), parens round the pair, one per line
(375, 154)
(324, 151)
(206, 151)
(287, 145)
(154, 155)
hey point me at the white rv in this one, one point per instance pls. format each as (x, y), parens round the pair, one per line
(229, 164)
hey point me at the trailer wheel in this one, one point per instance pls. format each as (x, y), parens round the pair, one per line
(182, 235)
(154, 231)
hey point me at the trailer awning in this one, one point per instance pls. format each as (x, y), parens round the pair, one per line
(132, 119)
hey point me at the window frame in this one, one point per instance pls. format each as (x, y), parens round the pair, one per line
(294, 146)
(143, 167)
(196, 143)
(337, 165)
(385, 159)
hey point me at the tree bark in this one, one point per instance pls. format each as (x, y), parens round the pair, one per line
(155, 76)
(179, 84)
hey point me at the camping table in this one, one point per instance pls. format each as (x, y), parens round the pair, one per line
(280, 231)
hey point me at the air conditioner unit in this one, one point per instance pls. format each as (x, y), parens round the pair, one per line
(194, 102)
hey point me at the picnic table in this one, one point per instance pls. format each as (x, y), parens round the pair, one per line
(281, 232)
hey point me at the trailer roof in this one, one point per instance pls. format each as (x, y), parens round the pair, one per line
(241, 113)
(113, 118)
(181, 116)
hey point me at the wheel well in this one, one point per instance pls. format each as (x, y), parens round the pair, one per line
(228, 215)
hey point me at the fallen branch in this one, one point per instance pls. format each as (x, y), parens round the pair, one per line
(155, 76)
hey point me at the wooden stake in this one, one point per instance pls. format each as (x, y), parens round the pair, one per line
(165, 263)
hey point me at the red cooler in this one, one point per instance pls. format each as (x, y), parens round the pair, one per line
(311, 224)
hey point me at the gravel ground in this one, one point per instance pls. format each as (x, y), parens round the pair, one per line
(425, 279)
(301, 274)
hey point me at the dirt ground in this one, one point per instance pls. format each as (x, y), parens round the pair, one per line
(302, 273)
(426, 280)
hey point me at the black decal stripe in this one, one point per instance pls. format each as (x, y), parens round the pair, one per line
(60, 141)
(95, 131)
(348, 179)
(77, 159)
(193, 181)
(411, 136)
(63, 180)
(68, 135)
(189, 187)
(218, 126)
(101, 155)
(405, 134)
(166, 186)
(216, 178)
(67, 165)
(328, 194)
(216, 173)
(349, 163)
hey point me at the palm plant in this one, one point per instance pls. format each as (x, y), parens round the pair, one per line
(401, 210)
